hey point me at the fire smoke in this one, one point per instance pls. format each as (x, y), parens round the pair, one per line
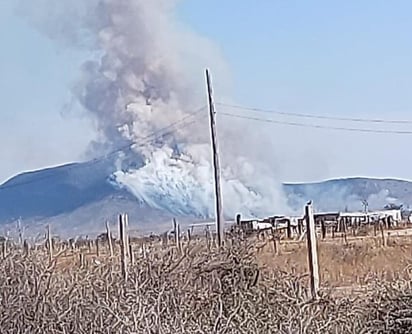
(144, 72)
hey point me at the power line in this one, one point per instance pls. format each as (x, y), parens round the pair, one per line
(285, 113)
(266, 120)
(153, 135)
(146, 139)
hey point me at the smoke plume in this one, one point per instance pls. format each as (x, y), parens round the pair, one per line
(146, 71)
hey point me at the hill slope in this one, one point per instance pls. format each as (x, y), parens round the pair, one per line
(341, 194)
(79, 198)
(75, 198)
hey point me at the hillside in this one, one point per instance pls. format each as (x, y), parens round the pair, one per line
(75, 198)
(347, 193)
(79, 198)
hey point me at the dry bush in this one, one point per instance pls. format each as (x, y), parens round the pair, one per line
(199, 291)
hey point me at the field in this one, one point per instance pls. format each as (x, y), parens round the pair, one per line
(355, 262)
(193, 287)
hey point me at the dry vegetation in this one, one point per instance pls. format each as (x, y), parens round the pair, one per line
(201, 290)
(355, 262)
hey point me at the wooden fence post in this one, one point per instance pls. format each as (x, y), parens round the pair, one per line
(4, 248)
(165, 239)
(312, 251)
(131, 254)
(20, 232)
(323, 229)
(97, 248)
(126, 228)
(179, 244)
(275, 248)
(238, 220)
(123, 245)
(49, 244)
(144, 252)
(176, 231)
(207, 238)
(26, 248)
(289, 230)
(345, 228)
(109, 238)
(382, 234)
(81, 259)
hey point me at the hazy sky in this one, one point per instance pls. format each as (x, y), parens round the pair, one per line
(352, 58)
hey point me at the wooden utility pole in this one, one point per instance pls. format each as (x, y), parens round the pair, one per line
(312, 251)
(216, 164)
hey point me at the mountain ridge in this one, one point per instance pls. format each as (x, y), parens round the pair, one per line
(80, 197)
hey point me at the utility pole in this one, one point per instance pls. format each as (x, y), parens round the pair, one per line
(216, 164)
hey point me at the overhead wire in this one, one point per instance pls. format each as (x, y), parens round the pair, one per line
(316, 126)
(324, 117)
(142, 141)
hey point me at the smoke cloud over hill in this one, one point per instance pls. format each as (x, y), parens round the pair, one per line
(145, 72)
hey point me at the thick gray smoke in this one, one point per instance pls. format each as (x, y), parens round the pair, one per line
(145, 72)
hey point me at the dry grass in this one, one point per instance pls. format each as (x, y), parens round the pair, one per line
(357, 262)
(205, 291)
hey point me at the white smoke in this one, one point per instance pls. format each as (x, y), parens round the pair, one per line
(145, 72)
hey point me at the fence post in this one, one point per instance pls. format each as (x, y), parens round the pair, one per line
(345, 228)
(312, 251)
(26, 248)
(323, 228)
(109, 238)
(4, 248)
(123, 245)
(97, 248)
(275, 248)
(131, 254)
(81, 259)
(176, 231)
(289, 230)
(144, 250)
(207, 238)
(49, 243)
(126, 228)
(383, 234)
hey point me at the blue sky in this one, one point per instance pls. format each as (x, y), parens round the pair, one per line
(320, 56)
(348, 58)
(34, 130)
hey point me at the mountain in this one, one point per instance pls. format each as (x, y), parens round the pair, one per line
(348, 193)
(78, 199)
(75, 199)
